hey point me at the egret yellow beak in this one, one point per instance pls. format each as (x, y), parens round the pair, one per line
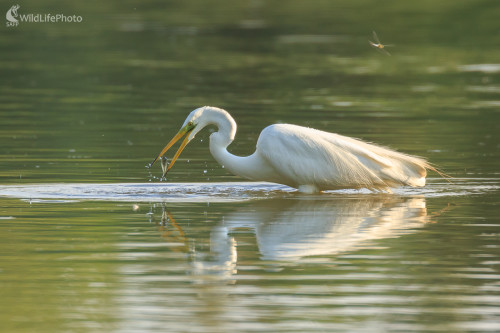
(184, 131)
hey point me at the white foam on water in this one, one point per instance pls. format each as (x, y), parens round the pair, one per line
(218, 192)
(144, 192)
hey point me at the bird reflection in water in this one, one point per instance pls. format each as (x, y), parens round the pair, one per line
(293, 228)
(172, 232)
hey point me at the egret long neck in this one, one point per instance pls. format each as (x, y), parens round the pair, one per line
(249, 167)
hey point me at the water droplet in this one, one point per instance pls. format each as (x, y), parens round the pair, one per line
(205, 171)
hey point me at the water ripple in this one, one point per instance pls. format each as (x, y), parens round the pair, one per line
(217, 192)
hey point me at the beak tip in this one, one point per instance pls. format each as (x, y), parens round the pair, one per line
(152, 163)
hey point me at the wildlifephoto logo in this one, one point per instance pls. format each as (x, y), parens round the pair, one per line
(13, 17)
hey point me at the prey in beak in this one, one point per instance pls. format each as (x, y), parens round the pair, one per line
(186, 130)
(164, 165)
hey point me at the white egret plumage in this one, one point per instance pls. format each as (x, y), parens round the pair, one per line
(304, 158)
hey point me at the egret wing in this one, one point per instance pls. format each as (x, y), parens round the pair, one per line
(305, 156)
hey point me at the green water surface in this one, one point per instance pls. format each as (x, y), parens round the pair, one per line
(94, 102)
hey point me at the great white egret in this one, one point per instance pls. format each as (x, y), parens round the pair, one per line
(304, 158)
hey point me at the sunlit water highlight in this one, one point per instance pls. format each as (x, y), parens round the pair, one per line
(220, 191)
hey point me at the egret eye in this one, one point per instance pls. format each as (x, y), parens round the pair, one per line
(190, 123)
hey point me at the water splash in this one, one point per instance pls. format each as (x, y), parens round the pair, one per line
(220, 191)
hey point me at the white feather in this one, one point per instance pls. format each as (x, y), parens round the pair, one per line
(306, 156)
(309, 159)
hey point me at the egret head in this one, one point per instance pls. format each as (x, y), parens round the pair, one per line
(195, 122)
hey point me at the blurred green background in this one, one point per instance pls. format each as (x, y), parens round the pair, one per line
(96, 101)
